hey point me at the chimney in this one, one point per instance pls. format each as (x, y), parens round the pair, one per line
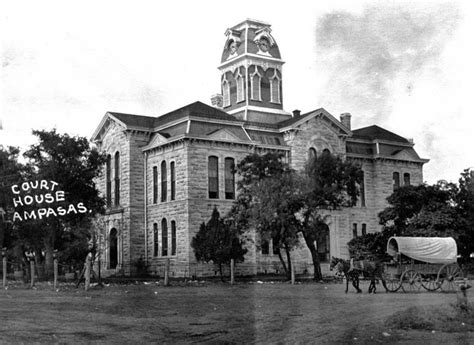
(296, 113)
(217, 101)
(346, 119)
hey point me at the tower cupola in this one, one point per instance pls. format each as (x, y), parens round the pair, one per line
(251, 73)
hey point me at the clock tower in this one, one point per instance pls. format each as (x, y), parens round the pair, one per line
(251, 74)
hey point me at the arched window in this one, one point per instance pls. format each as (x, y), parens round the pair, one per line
(173, 180)
(396, 181)
(229, 178)
(213, 176)
(240, 88)
(275, 89)
(108, 182)
(117, 178)
(155, 184)
(155, 239)
(113, 249)
(164, 182)
(226, 93)
(406, 179)
(354, 230)
(255, 86)
(164, 237)
(326, 152)
(323, 244)
(312, 153)
(362, 190)
(173, 237)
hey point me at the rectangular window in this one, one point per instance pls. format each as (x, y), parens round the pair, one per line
(213, 174)
(164, 238)
(362, 191)
(354, 230)
(108, 182)
(164, 182)
(173, 180)
(364, 229)
(275, 248)
(406, 179)
(396, 181)
(265, 248)
(155, 185)
(173, 237)
(155, 239)
(229, 178)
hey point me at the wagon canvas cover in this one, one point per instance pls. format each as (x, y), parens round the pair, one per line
(434, 250)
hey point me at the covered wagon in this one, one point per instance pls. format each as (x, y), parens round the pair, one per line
(428, 262)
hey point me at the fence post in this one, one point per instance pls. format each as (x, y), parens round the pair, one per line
(32, 269)
(55, 265)
(232, 271)
(167, 271)
(87, 274)
(4, 259)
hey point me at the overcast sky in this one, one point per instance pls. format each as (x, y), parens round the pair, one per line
(404, 66)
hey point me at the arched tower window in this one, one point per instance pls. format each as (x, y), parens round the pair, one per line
(164, 182)
(213, 177)
(275, 89)
(326, 152)
(226, 93)
(117, 178)
(108, 182)
(113, 249)
(255, 86)
(240, 88)
(164, 237)
(229, 178)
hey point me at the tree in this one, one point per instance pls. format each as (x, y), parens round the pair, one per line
(73, 165)
(218, 241)
(465, 209)
(332, 184)
(281, 203)
(11, 172)
(425, 211)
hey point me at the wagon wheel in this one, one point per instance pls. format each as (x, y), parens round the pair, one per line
(430, 283)
(411, 281)
(390, 282)
(447, 276)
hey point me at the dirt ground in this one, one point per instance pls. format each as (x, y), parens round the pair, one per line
(214, 313)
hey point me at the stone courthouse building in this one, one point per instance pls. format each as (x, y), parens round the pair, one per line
(164, 175)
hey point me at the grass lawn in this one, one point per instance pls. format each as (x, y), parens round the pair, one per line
(217, 312)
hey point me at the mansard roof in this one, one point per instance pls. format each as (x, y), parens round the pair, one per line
(375, 132)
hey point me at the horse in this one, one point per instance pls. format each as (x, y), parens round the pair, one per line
(370, 269)
(342, 268)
